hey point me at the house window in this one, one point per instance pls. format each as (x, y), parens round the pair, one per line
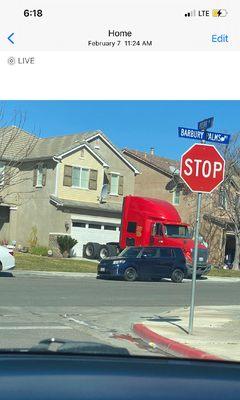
(222, 199)
(79, 224)
(82, 153)
(94, 226)
(2, 168)
(114, 184)
(97, 144)
(39, 176)
(80, 177)
(110, 228)
(176, 197)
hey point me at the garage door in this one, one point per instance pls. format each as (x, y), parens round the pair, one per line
(99, 232)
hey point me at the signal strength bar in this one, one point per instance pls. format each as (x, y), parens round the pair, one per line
(191, 13)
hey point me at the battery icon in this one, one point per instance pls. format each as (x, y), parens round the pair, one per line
(222, 12)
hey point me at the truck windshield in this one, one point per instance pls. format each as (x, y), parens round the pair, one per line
(130, 252)
(177, 231)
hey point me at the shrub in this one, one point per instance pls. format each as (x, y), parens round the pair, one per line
(66, 243)
(39, 251)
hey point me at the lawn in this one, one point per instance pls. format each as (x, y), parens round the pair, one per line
(40, 263)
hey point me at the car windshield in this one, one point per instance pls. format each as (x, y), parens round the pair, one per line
(177, 231)
(92, 255)
(131, 252)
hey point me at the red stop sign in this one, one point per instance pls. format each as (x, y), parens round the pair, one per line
(202, 168)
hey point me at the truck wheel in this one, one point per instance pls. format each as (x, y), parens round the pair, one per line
(177, 276)
(91, 250)
(104, 252)
(130, 274)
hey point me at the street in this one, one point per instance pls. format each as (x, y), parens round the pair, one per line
(84, 308)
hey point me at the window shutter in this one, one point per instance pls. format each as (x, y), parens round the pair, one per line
(44, 176)
(7, 175)
(93, 175)
(35, 176)
(120, 185)
(67, 178)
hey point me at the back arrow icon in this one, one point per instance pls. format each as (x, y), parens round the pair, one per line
(10, 38)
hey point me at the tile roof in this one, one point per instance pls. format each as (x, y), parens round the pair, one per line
(15, 143)
(161, 163)
(55, 146)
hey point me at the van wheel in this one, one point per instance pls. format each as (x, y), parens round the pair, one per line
(130, 274)
(177, 276)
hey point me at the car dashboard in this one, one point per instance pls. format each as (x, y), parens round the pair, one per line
(43, 376)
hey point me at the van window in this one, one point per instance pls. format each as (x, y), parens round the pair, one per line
(165, 252)
(130, 252)
(151, 252)
(131, 228)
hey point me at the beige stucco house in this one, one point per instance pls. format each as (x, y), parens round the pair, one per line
(62, 190)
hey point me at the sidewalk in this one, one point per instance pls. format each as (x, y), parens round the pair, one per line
(216, 332)
(19, 272)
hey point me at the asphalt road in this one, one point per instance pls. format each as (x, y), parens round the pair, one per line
(37, 307)
(90, 292)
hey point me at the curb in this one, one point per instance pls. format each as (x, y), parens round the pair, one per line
(215, 278)
(172, 346)
(53, 273)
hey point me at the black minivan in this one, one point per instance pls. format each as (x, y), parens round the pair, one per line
(145, 263)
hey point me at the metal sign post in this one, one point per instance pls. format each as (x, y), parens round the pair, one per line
(195, 259)
(202, 169)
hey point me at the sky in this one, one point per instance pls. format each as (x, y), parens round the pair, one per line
(137, 125)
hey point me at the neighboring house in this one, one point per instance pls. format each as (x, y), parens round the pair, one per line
(155, 173)
(62, 191)
(155, 180)
(219, 219)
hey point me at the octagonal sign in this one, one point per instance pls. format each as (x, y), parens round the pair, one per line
(202, 168)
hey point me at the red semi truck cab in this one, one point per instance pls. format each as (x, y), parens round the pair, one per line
(152, 222)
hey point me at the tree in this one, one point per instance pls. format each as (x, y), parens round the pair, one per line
(231, 190)
(16, 146)
(221, 208)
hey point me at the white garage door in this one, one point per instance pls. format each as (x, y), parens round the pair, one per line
(99, 232)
